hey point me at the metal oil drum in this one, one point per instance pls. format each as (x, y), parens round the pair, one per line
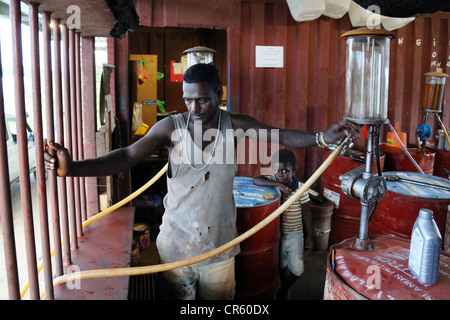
(398, 210)
(257, 263)
(397, 159)
(381, 273)
(441, 162)
(446, 237)
(347, 211)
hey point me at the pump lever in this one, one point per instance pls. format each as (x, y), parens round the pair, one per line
(393, 177)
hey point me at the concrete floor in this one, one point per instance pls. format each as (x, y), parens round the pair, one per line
(310, 285)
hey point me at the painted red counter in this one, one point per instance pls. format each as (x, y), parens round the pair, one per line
(355, 273)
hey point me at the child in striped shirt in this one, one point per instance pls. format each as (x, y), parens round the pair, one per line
(294, 221)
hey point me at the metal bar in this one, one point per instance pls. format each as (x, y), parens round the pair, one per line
(68, 134)
(62, 188)
(38, 136)
(80, 124)
(75, 124)
(22, 143)
(6, 214)
(50, 133)
(74, 128)
(89, 119)
(362, 239)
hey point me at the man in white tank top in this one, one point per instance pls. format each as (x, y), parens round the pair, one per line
(200, 213)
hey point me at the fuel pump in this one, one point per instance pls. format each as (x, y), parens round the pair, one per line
(432, 103)
(366, 96)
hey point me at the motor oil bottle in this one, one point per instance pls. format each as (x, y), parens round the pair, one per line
(425, 248)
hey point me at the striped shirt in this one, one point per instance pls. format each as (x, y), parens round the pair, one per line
(291, 218)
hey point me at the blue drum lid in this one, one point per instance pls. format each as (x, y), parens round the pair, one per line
(246, 194)
(419, 189)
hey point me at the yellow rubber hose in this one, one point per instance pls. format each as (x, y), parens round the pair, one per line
(104, 213)
(119, 272)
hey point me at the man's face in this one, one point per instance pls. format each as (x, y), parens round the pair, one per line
(201, 100)
(283, 173)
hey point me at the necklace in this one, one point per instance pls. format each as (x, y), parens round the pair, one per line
(213, 149)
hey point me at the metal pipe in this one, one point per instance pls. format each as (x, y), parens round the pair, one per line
(73, 129)
(80, 125)
(62, 184)
(404, 148)
(22, 143)
(68, 135)
(361, 241)
(38, 136)
(50, 133)
(6, 214)
(89, 119)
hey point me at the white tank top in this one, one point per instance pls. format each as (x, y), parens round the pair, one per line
(200, 212)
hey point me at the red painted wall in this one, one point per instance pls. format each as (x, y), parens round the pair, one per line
(308, 93)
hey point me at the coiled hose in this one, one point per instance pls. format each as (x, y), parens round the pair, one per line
(119, 272)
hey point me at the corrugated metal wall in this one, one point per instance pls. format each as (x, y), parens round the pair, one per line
(308, 93)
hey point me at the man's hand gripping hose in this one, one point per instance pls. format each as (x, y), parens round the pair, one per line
(119, 272)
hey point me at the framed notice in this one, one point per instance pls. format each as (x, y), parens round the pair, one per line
(269, 56)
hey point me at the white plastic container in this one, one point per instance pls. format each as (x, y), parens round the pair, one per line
(360, 17)
(425, 248)
(306, 10)
(336, 9)
(390, 23)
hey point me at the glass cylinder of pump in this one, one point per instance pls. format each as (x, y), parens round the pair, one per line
(367, 75)
(434, 91)
(199, 54)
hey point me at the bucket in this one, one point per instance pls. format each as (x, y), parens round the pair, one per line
(257, 263)
(381, 273)
(321, 223)
(397, 160)
(347, 211)
(398, 210)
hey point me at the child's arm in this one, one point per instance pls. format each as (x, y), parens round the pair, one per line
(262, 181)
(307, 227)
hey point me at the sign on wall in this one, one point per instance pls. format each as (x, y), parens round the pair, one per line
(269, 57)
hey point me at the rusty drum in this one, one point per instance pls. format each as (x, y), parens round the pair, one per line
(347, 211)
(257, 264)
(441, 162)
(446, 237)
(397, 160)
(381, 273)
(406, 194)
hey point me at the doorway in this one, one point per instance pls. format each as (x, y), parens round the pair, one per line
(168, 44)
